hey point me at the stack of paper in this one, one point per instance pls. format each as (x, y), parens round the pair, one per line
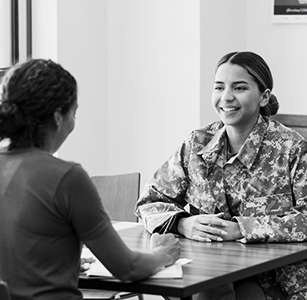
(98, 269)
(173, 271)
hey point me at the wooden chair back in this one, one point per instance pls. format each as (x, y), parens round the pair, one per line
(4, 291)
(119, 194)
(296, 122)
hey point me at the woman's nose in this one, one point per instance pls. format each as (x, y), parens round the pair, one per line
(227, 95)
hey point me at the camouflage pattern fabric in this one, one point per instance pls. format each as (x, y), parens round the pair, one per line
(263, 187)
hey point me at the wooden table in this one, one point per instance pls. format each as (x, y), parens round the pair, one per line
(213, 264)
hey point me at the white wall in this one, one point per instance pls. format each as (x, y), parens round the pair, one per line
(247, 25)
(44, 29)
(153, 81)
(138, 67)
(82, 49)
(5, 35)
(145, 70)
(284, 47)
(223, 30)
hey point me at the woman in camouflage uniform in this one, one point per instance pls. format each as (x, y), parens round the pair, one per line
(242, 178)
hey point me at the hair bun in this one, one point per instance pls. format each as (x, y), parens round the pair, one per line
(8, 109)
(271, 108)
(11, 119)
(273, 104)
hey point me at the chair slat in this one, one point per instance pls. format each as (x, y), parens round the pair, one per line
(119, 194)
(296, 122)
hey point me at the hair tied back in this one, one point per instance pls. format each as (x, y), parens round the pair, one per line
(8, 110)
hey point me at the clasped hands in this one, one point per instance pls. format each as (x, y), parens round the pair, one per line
(207, 228)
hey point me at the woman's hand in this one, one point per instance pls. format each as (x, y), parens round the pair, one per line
(233, 231)
(86, 263)
(168, 244)
(207, 228)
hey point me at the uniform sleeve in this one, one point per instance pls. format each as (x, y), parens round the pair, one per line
(292, 226)
(163, 195)
(79, 203)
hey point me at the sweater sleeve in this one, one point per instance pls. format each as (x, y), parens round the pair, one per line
(78, 201)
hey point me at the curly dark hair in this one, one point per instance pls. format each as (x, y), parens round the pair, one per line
(31, 92)
(255, 65)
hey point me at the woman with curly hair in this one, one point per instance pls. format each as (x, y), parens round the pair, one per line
(49, 206)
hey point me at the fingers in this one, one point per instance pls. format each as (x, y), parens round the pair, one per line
(165, 240)
(215, 231)
(210, 229)
(212, 221)
(169, 244)
(85, 267)
(205, 237)
(175, 251)
(87, 260)
(86, 263)
(156, 240)
(200, 239)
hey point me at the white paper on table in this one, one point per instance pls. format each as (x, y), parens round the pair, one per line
(124, 225)
(98, 269)
(173, 271)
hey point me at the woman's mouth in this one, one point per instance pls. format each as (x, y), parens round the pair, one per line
(229, 109)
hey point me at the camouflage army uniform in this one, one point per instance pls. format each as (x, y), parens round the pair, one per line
(264, 187)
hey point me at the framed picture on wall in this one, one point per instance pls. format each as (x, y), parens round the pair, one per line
(289, 11)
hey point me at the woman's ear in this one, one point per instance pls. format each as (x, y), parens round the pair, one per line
(266, 95)
(57, 117)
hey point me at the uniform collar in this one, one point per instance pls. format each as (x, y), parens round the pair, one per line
(215, 152)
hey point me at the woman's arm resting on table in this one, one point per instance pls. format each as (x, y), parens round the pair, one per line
(80, 201)
(128, 265)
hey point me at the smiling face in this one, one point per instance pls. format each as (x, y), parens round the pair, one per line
(236, 97)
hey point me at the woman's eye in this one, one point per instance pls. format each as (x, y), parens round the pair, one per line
(218, 88)
(240, 88)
